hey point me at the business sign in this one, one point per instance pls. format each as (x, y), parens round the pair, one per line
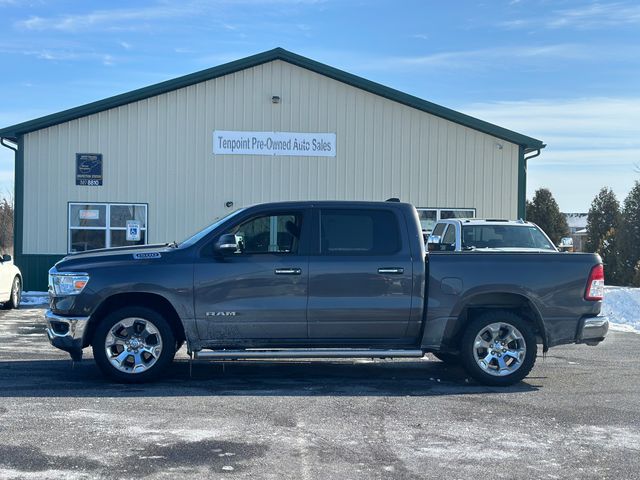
(89, 169)
(133, 231)
(274, 143)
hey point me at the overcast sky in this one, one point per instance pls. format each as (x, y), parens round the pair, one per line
(566, 72)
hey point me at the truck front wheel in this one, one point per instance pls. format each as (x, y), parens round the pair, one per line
(133, 345)
(498, 348)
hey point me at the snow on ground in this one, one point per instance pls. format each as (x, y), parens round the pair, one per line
(34, 298)
(621, 305)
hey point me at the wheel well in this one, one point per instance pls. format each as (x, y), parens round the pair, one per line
(148, 300)
(512, 302)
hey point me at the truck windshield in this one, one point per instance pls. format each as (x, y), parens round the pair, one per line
(205, 231)
(504, 236)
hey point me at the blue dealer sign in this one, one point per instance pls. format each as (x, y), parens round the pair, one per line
(89, 169)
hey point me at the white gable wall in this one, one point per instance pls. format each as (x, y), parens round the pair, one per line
(159, 151)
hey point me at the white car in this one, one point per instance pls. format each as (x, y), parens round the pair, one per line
(477, 234)
(10, 283)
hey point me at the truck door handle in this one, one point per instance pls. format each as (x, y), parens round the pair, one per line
(288, 271)
(392, 270)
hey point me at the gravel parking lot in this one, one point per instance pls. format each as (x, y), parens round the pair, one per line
(576, 416)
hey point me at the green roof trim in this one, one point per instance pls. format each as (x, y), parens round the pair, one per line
(14, 131)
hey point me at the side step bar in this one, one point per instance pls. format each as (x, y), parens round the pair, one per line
(305, 353)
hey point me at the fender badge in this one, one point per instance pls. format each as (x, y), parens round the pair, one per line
(220, 314)
(146, 255)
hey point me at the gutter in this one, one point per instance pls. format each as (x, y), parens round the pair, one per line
(523, 150)
(2, 142)
(537, 152)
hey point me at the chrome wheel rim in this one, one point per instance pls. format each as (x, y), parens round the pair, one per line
(133, 345)
(499, 349)
(15, 293)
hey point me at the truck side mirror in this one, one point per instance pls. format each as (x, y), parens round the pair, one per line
(433, 242)
(226, 244)
(6, 258)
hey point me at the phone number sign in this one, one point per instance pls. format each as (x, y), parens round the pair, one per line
(89, 169)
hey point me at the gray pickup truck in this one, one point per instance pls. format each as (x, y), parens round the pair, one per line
(321, 280)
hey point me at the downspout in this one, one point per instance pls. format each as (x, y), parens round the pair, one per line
(538, 151)
(522, 177)
(17, 249)
(2, 140)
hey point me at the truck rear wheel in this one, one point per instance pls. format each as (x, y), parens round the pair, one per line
(498, 348)
(133, 345)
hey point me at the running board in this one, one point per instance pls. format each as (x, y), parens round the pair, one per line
(305, 353)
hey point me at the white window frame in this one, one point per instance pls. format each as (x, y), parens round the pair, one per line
(107, 228)
(439, 210)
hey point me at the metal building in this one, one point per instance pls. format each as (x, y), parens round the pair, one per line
(158, 163)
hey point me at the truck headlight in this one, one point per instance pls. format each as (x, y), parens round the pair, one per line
(62, 284)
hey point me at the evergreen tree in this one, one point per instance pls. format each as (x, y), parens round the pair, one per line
(629, 236)
(604, 215)
(636, 277)
(608, 250)
(543, 210)
(6, 225)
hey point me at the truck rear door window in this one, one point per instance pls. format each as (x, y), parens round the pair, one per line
(359, 232)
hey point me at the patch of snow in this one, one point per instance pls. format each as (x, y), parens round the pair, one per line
(34, 298)
(622, 306)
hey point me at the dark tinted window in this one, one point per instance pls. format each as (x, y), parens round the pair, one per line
(359, 232)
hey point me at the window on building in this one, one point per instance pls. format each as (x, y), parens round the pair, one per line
(106, 225)
(429, 216)
(359, 232)
(456, 213)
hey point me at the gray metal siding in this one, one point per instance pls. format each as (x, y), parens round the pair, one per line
(159, 151)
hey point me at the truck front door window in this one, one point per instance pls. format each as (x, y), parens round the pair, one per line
(269, 234)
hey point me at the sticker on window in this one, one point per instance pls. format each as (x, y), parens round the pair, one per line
(89, 214)
(133, 231)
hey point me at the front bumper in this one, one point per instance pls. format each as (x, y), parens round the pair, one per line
(66, 333)
(593, 330)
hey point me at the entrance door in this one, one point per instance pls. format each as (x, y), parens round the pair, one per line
(260, 291)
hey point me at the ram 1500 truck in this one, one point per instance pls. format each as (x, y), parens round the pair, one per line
(321, 280)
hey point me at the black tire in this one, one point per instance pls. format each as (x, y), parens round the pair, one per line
(452, 359)
(15, 296)
(487, 373)
(156, 334)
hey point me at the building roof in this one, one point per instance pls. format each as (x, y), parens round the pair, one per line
(13, 131)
